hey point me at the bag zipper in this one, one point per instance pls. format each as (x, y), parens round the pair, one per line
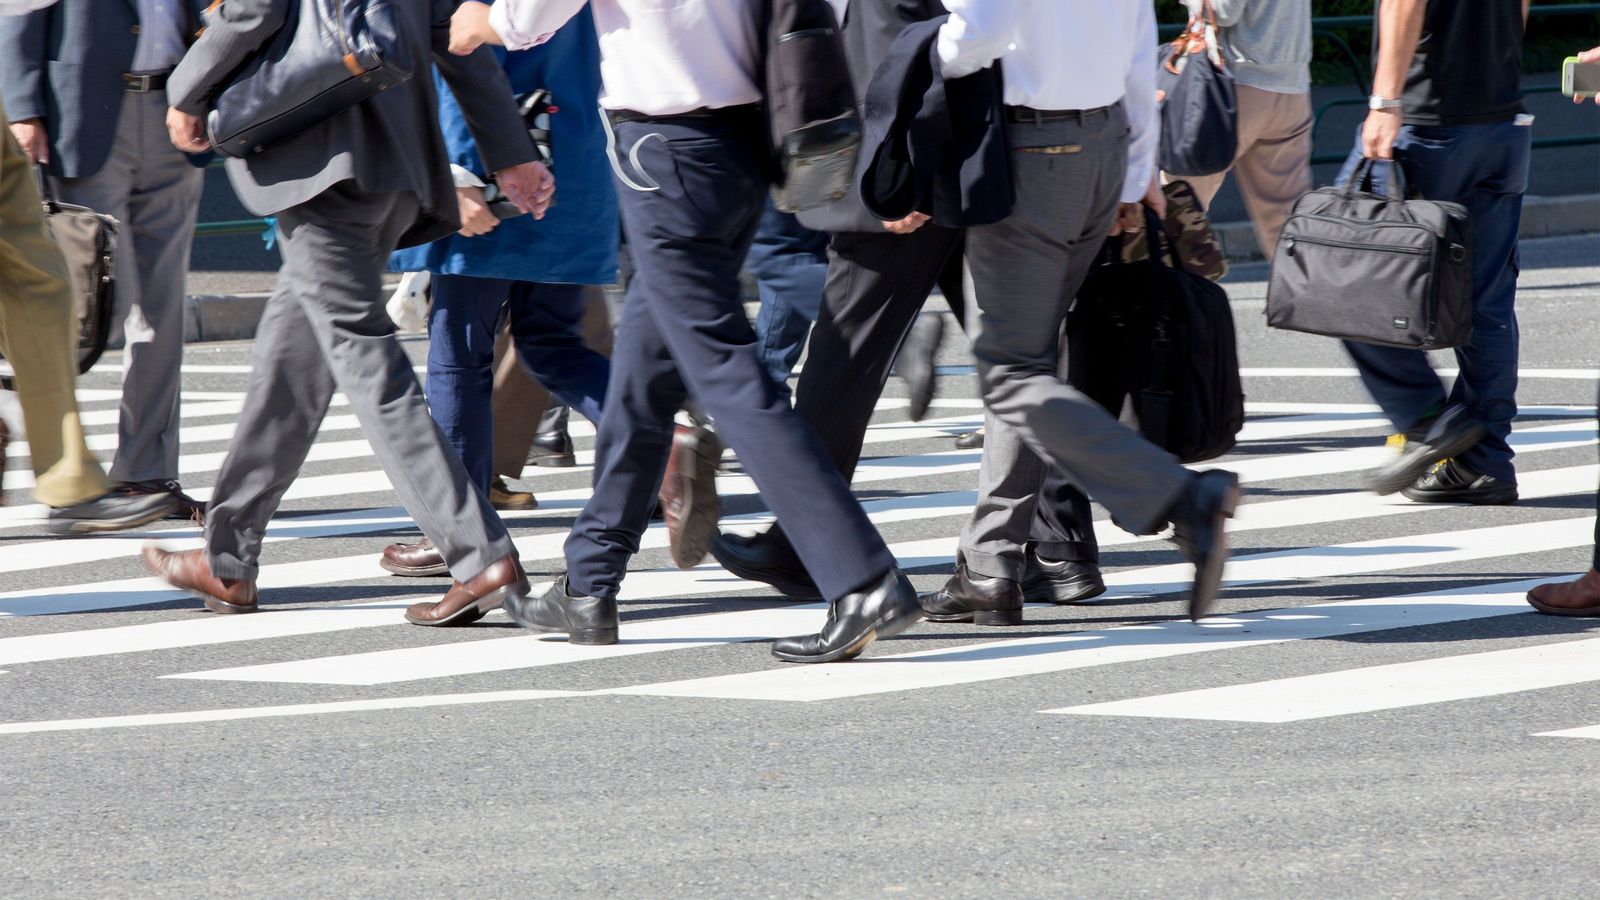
(1351, 245)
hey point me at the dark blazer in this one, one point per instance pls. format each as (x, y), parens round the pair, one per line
(391, 142)
(934, 146)
(870, 27)
(64, 64)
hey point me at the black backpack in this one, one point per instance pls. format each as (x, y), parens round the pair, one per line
(1163, 336)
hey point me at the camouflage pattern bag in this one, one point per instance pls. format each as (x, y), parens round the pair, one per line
(1187, 227)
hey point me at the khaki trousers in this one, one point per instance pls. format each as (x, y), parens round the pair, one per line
(520, 401)
(1273, 166)
(38, 330)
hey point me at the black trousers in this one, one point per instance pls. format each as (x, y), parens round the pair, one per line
(693, 191)
(877, 284)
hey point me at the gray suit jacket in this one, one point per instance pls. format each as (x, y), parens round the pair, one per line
(64, 64)
(870, 27)
(388, 143)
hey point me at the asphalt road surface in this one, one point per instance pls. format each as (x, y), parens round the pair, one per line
(1374, 711)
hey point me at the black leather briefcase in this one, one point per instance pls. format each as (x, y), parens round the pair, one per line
(329, 56)
(1374, 268)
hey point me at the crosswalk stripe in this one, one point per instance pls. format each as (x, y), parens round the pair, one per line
(1591, 732)
(1153, 581)
(275, 712)
(1086, 649)
(134, 592)
(172, 634)
(1371, 688)
(1351, 372)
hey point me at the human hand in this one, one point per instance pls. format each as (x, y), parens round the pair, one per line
(34, 139)
(529, 185)
(476, 217)
(908, 224)
(1378, 133)
(469, 28)
(1587, 56)
(1130, 216)
(187, 132)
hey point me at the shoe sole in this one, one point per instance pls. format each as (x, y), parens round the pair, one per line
(1208, 579)
(413, 572)
(468, 614)
(691, 540)
(1461, 498)
(1080, 591)
(555, 461)
(1577, 613)
(1403, 476)
(100, 526)
(884, 627)
(224, 608)
(588, 637)
(515, 505)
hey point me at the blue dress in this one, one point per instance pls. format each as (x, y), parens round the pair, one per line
(576, 241)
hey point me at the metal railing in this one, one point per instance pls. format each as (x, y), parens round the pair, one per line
(1327, 27)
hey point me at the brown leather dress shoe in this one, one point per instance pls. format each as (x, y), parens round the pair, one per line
(689, 501)
(1574, 598)
(469, 602)
(419, 560)
(190, 571)
(502, 496)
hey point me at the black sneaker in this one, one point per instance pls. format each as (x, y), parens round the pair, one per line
(1453, 482)
(115, 510)
(1452, 434)
(184, 508)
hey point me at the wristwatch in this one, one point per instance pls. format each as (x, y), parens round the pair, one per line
(1377, 102)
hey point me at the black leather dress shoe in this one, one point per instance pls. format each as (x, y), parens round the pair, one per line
(914, 365)
(1453, 433)
(972, 440)
(1452, 482)
(553, 450)
(112, 511)
(1066, 581)
(1198, 528)
(766, 558)
(584, 620)
(879, 610)
(974, 598)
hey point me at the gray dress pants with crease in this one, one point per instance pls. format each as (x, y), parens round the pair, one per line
(324, 329)
(154, 191)
(1024, 273)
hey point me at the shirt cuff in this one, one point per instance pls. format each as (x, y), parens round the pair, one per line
(463, 177)
(1134, 186)
(500, 21)
(951, 65)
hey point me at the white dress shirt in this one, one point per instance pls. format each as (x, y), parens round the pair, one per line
(161, 44)
(657, 57)
(1056, 54)
(21, 7)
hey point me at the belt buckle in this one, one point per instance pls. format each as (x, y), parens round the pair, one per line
(138, 83)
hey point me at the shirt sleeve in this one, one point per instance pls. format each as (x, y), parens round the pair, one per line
(19, 7)
(527, 23)
(977, 33)
(1139, 100)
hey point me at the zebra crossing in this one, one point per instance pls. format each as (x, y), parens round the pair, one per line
(333, 635)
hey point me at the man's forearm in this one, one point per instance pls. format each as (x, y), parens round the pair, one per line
(1399, 29)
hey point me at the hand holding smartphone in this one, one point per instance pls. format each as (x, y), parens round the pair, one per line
(1581, 80)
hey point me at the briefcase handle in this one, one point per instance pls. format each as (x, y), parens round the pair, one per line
(45, 193)
(1361, 179)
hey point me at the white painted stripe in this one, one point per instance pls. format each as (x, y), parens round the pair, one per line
(1591, 732)
(1371, 688)
(442, 661)
(1059, 653)
(527, 651)
(277, 712)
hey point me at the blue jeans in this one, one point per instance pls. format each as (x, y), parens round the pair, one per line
(462, 326)
(790, 263)
(1484, 168)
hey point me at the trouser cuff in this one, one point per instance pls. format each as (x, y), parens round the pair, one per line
(1008, 565)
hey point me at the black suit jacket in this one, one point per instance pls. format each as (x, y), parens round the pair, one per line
(869, 28)
(935, 146)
